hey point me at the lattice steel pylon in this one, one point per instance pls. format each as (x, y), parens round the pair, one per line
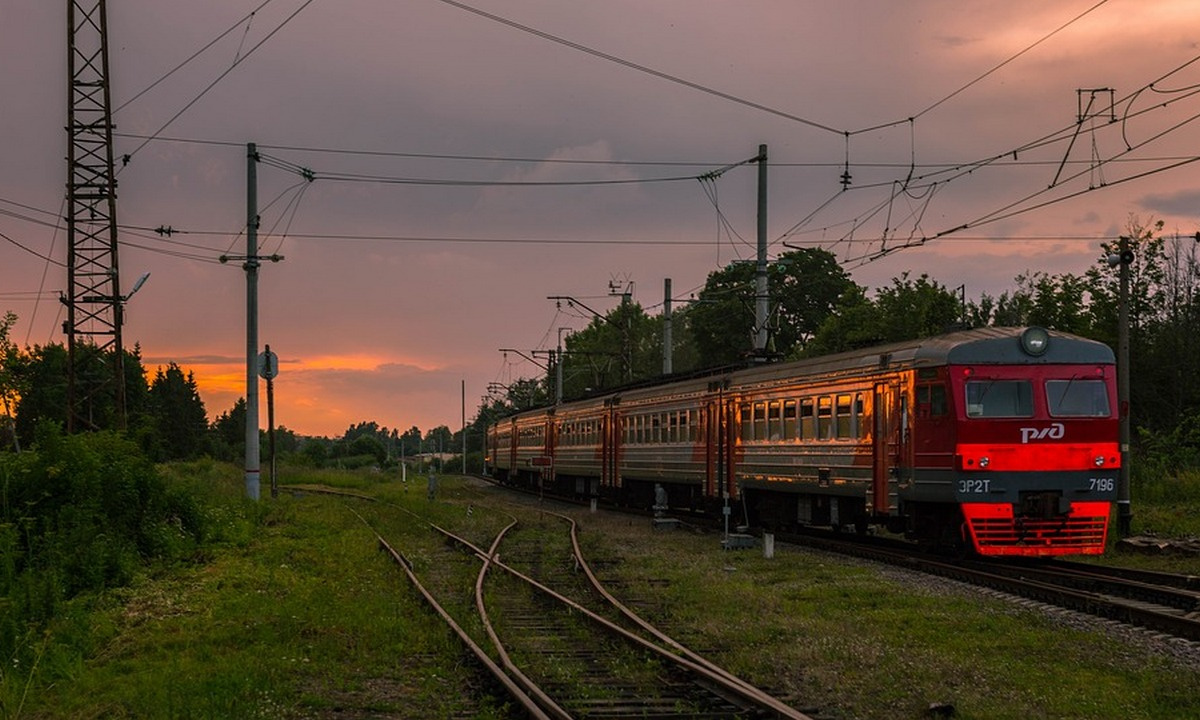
(94, 303)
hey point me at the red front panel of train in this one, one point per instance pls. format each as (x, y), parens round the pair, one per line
(1036, 457)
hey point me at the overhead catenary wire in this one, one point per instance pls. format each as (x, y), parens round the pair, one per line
(1004, 159)
(237, 61)
(946, 175)
(743, 101)
(244, 21)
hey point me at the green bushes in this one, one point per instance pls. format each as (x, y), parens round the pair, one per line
(78, 514)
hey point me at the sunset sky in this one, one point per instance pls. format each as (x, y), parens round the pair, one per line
(469, 159)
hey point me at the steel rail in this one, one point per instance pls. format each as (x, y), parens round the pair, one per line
(513, 688)
(703, 669)
(733, 681)
(484, 659)
(1128, 611)
(547, 703)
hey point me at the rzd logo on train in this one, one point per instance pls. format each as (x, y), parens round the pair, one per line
(1056, 431)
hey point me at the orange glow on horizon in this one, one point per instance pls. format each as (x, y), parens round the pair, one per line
(308, 406)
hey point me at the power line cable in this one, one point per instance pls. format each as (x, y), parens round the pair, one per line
(979, 79)
(193, 56)
(1058, 136)
(582, 161)
(31, 251)
(635, 66)
(218, 79)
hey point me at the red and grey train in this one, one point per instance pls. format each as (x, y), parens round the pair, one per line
(1004, 440)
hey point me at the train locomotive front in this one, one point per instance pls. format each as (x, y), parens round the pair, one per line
(1031, 452)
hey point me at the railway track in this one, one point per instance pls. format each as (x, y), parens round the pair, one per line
(555, 641)
(1162, 602)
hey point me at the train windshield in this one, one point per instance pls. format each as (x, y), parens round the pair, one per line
(1077, 398)
(999, 398)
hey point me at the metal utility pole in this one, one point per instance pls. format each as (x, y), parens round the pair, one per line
(250, 263)
(268, 368)
(668, 341)
(94, 299)
(1124, 505)
(464, 424)
(558, 370)
(762, 309)
(251, 267)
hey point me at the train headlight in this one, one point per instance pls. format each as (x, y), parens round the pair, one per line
(984, 462)
(1099, 461)
(1035, 340)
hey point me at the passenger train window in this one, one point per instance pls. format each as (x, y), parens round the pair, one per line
(789, 419)
(999, 398)
(824, 418)
(744, 420)
(760, 421)
(931, 400)
(1077, 398)
(859, 424)
(774, 421)
(808, 428)
(843, 416)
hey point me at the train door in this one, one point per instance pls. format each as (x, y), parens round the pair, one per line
(610, 470)
(514, 437)
(728, 447)
(550, 472)
(711, 438)
(885, 440)
(719, 460)
(609, 437)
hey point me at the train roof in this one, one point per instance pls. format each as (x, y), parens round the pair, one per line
(978, 346)
(982, 346)
(1003, 345)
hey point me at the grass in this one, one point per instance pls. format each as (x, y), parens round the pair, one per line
(291, 612)
(1168, 505)
(860, 641)
(305, 619)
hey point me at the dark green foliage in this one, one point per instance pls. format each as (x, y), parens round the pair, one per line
(614, 349)
(40, 376)
(176, 415)
(78, 514)
(11, 383)
(805, 287)
(368, 445)
(906, 310)
(314, 451)
(228, 437)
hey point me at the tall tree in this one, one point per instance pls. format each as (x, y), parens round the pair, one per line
(905, 310)
(11, 383)
(177, 413)
(805, 286)
(44, 371)
(229, 431)
(622, 346)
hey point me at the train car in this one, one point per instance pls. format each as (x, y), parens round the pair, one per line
(1000, 439)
